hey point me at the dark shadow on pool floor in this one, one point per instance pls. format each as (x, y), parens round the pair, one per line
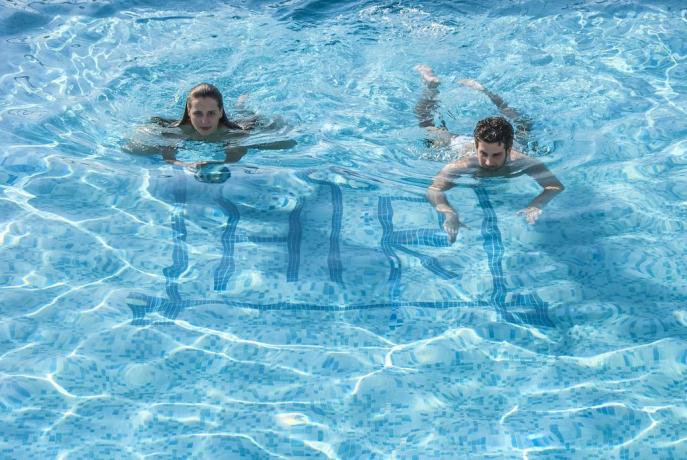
(588, 240)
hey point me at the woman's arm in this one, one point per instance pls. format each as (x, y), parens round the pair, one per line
(235, 153)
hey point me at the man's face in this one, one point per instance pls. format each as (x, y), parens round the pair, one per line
(205, 115)
(491, 156)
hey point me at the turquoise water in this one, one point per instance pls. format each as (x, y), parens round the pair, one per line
(310, 306)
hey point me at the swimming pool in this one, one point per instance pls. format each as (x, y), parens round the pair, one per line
(310, 306)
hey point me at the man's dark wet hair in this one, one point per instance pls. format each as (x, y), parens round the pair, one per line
(495, 130)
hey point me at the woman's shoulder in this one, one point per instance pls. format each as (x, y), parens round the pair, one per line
(164, 122)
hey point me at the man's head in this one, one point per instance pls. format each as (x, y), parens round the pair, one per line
(493, 141)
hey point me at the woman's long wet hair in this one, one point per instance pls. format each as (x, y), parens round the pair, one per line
(201, 90)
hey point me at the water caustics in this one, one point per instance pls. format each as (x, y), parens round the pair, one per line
(310, 305)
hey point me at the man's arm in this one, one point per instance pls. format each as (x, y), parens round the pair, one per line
(551, 185)
(435, 194)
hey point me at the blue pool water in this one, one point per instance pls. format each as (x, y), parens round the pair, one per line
(310, 306)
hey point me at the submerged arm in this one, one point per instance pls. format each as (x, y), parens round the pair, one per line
(551, 185)
(235, 153)
(435, 194)
(247, 121)
(168, 152)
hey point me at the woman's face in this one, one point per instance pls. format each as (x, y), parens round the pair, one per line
(205, 115)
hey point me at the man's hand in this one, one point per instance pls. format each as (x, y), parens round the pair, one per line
(531, 213)
(452, 225)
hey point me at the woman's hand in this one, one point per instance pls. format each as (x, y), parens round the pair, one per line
(191, 166)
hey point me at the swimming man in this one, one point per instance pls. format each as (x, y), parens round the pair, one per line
(491, 156)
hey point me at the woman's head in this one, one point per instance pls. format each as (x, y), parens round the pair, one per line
(204, 110)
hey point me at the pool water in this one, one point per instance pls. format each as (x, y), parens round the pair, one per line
(310, 305)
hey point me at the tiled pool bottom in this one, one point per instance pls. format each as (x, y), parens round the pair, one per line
(508, 303)
(257, 333)
(310, 307)
(498, 375)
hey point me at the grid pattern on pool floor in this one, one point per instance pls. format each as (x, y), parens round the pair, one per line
(230, 237)
(517, 308)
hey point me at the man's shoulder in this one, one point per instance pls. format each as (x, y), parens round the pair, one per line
(522, 159)
(464, 163)
(518, 155)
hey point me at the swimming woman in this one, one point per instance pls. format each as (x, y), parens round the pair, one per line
(205, 119)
